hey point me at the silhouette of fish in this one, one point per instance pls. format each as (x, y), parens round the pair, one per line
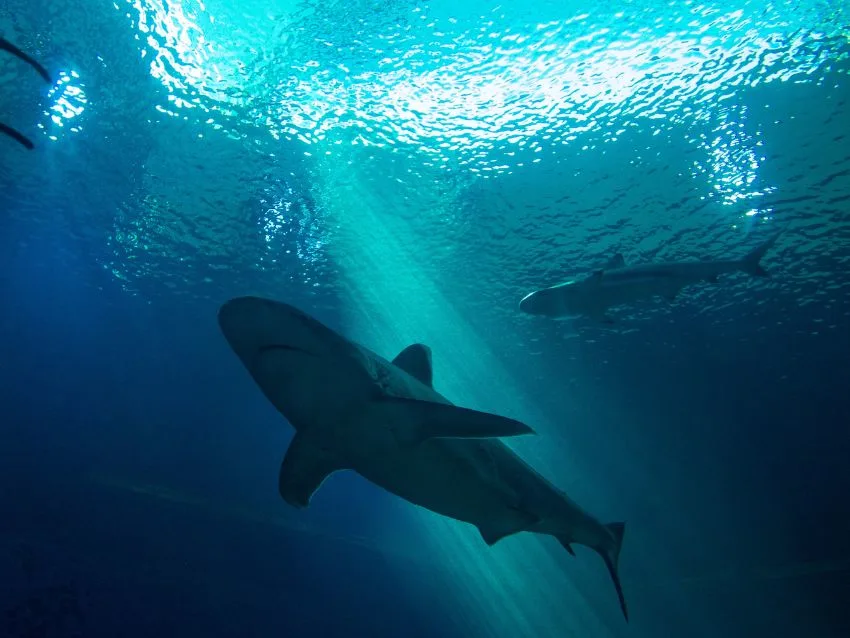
(5, 45)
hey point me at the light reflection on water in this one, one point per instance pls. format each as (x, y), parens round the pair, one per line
(68, 102)
(445, 86)
(488, 90)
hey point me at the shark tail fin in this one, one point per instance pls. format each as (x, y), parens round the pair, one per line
(611, 555)
(751, 261)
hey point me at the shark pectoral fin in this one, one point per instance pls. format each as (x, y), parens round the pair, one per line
(305, 467)
(493, 532)
(416, 421)
(671, 294)
(416, 361)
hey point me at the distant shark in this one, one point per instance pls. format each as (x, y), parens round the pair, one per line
(354, 410)
(7, 46)
(617, 284)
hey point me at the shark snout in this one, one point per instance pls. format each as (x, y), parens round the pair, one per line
(251, 323)
(236, 315)
(529, 304)
(239, 320)
(254, 326)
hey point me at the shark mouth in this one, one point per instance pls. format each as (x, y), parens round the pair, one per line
(274, 347)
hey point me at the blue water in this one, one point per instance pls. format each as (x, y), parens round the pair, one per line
(407, 172)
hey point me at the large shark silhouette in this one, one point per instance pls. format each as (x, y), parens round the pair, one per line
(354, 410)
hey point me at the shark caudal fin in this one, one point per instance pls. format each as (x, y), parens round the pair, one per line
(750, 263)
(611, 555)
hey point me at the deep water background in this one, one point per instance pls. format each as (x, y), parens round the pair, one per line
(407, 172)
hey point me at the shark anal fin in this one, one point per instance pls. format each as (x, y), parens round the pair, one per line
(416, 421)
(305, 467)
(567, 546)
(416, 361)
(600, 316)
(492, 533)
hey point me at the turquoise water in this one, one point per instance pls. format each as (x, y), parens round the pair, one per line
(408, 171)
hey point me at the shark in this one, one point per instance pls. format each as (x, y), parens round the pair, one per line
(617, 284)
(7, 46)
(354, 410)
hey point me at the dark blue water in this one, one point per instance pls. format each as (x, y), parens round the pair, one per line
(407, 172)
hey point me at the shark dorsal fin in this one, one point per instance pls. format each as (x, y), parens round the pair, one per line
(617, 261)
(416, 361)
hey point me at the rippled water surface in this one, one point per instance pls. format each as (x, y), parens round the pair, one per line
(417, 167)
(237, 139)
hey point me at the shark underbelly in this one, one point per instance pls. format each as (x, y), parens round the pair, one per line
(481, 482)
(637, 283)
(451, 478)
(629, 291)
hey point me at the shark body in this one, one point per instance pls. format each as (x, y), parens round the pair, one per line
(618, 284)
(354, 410)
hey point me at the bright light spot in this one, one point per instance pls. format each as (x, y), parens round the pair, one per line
(68, 101)
(474, 95)
(197, 73)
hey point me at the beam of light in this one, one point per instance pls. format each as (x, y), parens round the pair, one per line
(520, 586)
